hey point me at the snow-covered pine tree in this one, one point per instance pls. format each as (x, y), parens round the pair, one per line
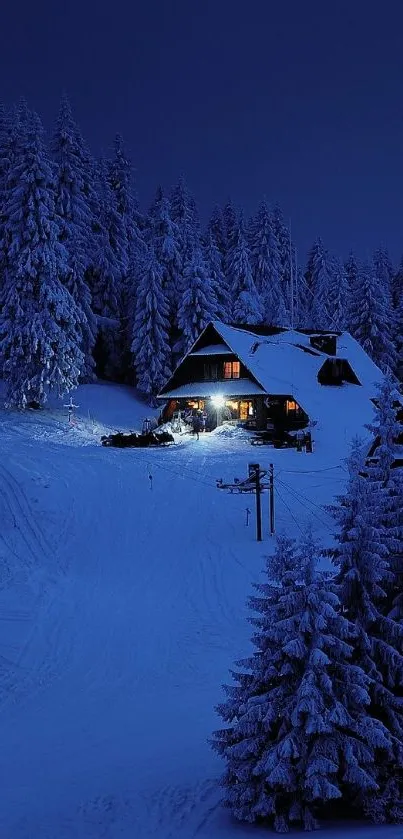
(106, 273)
(297, 733)
(230, 216)
(185, 215)
(338, 300)
(220, 291)
(364, 575)
(216, 228)
(387, 432)
(164, 239)
(150, 344)
(246, 306)
(318, 278)
(352, 268)
(74, 206)
(40, 324)
(397, 287)
(12, 146)
(288, 259)
(4, 148)
(398, 319)
(371, 318)
(267, 267)
(383, 268)
(120, 176)
(197, 305)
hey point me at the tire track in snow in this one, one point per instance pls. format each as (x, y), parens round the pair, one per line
(33, 536)
(40, 570)
(172, 812)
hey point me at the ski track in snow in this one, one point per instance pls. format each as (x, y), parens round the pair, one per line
(122, 611)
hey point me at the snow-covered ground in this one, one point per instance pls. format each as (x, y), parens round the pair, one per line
(122, 608)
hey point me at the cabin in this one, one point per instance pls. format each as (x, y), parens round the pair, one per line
(269, 377)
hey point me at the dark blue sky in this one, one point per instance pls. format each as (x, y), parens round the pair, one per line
(300, 101)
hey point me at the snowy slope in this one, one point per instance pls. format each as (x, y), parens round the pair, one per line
(122, 609)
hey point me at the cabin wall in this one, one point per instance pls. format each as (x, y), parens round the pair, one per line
(194, 369)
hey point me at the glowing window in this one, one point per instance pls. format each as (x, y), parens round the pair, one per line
(232, 369)
(246, 410)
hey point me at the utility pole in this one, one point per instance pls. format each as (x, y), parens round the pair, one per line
(271, 497)
(254, 472)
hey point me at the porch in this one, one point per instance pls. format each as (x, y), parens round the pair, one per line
(215, 410)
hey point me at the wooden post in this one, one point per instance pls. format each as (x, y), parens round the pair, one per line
(254, 472)
(271, 498)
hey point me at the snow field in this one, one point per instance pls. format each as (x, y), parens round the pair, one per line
(122, 609)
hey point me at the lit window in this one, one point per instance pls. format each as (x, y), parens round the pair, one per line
(246, 410)
(232, 369)
(291, 405)
(227, 369)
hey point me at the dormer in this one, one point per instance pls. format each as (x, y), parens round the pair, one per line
(325, 343)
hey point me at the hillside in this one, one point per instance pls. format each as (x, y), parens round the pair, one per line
(122, 610)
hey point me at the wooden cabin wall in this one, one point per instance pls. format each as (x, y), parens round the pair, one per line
(193, 368)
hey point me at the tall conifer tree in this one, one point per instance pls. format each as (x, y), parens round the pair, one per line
(197, 305)
(246, 304)
(297, 734)
(363, 558)
(40, 326)
(371, 318)
(74, 206)
(150, 345)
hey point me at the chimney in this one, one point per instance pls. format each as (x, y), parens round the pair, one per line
(324, 343)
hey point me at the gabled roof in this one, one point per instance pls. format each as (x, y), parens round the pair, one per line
(286, 364)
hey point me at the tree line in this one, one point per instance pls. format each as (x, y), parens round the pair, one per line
(89, 283)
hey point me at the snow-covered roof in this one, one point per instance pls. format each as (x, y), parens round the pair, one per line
(287, 364)
(212, 349)
(229, 387)
(284, 364)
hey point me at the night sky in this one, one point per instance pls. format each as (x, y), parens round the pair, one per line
(299, 101)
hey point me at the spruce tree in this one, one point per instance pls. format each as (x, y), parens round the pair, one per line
(397, 287)
(298, 735)
(134, 250)
(267, 267)
(338, 300)
(184, 214)
(165, 240)
(318, 278)
(74, 206)
(150, 345)
(383, 268)
(398, 319)
(40, 325)
(364, 576)
(287, 255)
(246, 304)
(217, 230)
(231, 219)
(371, 318)
(197, 305)
(220, 290)
(387, 432)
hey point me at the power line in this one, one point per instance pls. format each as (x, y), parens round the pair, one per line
(288, 508)
(303, 503)
(310, 471)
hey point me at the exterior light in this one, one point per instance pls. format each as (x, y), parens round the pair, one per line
(218, 401)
